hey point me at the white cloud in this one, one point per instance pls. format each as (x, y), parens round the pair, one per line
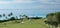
(16, 1)
(31, 1)
(50, 1)
(4, 2)
(23, 1)
(43, 0)
(47, 0)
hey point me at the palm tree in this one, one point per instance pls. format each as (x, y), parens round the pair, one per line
(0, 15)
(10, 14)
(21, 17)
(4, 15)
(16, 17)
(25, 16)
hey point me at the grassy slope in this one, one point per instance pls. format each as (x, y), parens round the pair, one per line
(28, 24)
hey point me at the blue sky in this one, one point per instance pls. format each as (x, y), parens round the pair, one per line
(29, 7)
(28, 4)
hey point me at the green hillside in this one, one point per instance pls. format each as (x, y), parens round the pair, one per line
(39, 23)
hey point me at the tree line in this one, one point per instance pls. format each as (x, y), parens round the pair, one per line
(16, 18)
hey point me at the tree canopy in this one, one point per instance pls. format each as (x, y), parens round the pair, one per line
(53, 19)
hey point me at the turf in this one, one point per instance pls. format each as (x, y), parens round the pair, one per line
(27, 24)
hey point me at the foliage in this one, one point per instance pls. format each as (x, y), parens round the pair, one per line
(0, 15)
(12, 18)
(35, 17)
(4, 15)
(10, 14)
(53, 19)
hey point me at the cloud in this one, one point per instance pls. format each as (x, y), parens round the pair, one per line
(43, 0)
(50, 1)
(30, 1)
(16, 1)
(4, 2)
(28, 4)
(23, 1)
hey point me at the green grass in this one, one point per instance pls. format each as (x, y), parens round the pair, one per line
(28, 24)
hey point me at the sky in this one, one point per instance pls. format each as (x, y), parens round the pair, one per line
(29, 7)
(29, 4)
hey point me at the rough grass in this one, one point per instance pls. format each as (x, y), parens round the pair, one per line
(27, 24)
